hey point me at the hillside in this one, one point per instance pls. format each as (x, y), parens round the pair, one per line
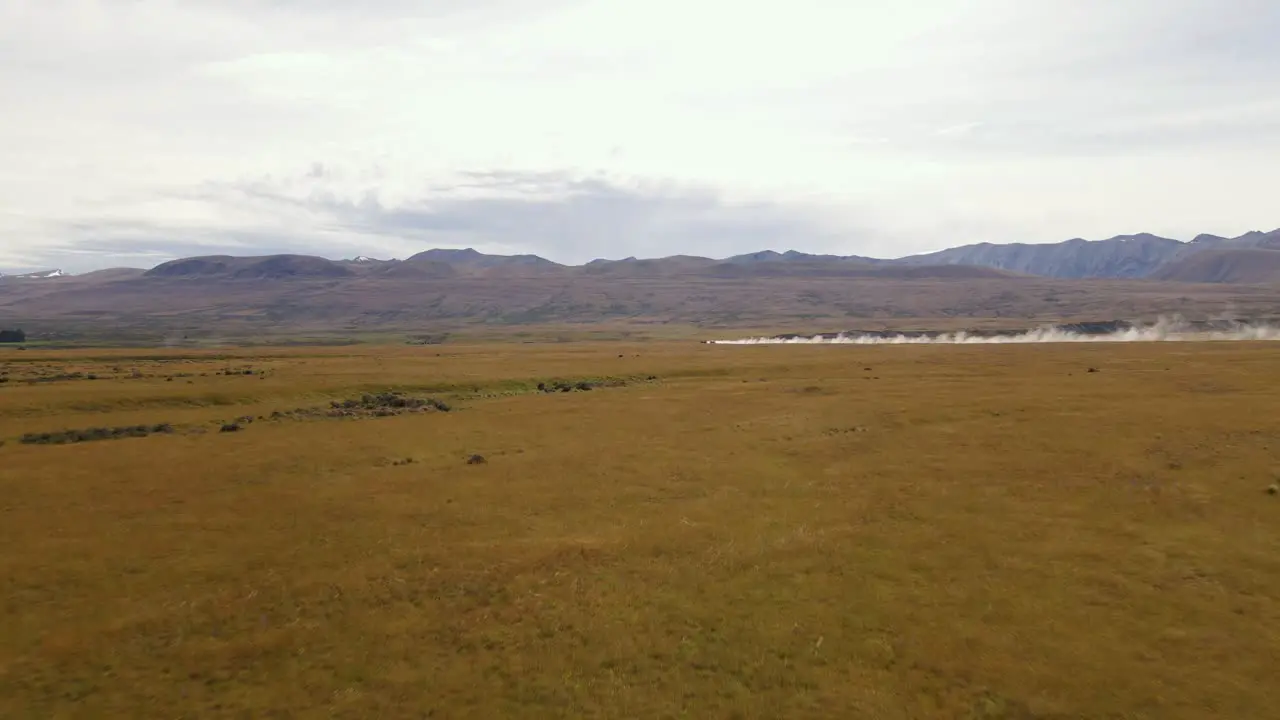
(270, 267)
(110, 275)
(854, 269)
(769, 256)
(1231, 265)
(1124, 256)
(471, 259)
(1131, 256)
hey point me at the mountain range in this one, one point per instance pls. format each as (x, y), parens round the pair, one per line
(1124, 276)
(1125, 256)
(1205, 258)
(38, 275)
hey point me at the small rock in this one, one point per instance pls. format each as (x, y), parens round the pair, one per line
(1274, 489)
(476, 460)
(1093, 370)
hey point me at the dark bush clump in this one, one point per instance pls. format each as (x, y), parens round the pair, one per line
(66, 437)
(384, 405)
(565, 386)
(230, 427)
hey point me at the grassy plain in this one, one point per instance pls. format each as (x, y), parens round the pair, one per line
(760, 532)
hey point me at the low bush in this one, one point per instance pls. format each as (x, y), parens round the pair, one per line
(564, 386)
(384, 404)
(66, 437)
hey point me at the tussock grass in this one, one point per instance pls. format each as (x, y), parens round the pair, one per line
(982, 532)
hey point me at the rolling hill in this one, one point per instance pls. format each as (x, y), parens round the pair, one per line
(1226, 265)
(270, 267)
(1124, 256)
(470, 258)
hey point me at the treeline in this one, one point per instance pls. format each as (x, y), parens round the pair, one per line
(12, 336)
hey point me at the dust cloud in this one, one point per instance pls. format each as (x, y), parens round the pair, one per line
(1163, 330)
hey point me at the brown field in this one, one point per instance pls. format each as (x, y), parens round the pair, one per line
(759, 532)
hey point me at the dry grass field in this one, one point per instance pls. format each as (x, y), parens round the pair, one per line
(724, 532)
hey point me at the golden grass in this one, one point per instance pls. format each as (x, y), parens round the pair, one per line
(794, 531)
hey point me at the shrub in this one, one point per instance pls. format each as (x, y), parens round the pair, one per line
(387, 403)
(65, 437)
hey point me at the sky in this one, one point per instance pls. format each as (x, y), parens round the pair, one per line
(136, 131)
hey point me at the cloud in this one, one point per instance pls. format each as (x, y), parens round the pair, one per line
(881, 129)
(552, 214)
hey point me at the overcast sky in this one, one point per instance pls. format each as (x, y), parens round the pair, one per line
(135, 131)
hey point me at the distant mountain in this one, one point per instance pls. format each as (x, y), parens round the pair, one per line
(845, 268)
(1254, 265)
(1205, 239)
(469, 257)
(1257, 238)
(794, 256)
(1124, 256)
(38, 275)
(415, 267)
(110, 275)
(674, 265)
(269, 267)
